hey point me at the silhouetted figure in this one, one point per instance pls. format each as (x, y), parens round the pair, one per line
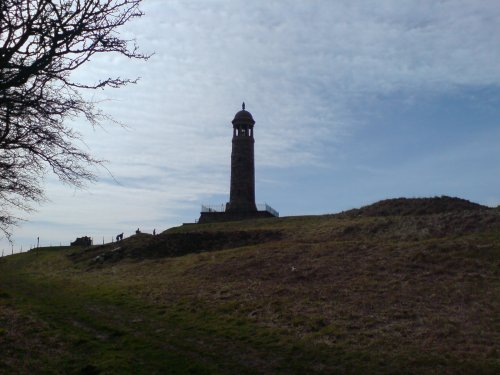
(119, 237)
(137, 231)
(154, 232)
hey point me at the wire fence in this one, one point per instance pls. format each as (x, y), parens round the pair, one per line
(213, 207)
(92, 241)
(223, 207)
(268, 208)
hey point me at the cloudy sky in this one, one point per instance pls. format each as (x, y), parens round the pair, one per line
(354, 101)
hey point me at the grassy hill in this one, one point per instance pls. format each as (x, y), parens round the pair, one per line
(404, 286)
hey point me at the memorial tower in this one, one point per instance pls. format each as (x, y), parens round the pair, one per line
(242, 190)
(241, 205)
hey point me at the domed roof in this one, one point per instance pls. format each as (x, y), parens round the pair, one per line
(243, 117)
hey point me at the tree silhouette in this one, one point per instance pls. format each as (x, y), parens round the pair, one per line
(41, 43)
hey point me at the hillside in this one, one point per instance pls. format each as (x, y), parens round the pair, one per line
(404, 286)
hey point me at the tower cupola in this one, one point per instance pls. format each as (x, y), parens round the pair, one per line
(243, 123)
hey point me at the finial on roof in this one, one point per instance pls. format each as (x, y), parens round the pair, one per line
(243, 106)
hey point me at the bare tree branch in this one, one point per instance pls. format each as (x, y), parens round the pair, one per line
(41, 43)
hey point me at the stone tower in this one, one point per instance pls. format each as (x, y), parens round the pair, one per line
(242, 192)
(241, 205)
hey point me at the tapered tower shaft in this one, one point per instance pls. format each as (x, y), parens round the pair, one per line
(242, 193)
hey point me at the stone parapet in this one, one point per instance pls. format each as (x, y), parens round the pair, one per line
(218, 217)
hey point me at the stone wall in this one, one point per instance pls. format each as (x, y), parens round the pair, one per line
(217, 217)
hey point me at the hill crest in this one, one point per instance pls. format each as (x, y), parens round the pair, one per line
(416, 206)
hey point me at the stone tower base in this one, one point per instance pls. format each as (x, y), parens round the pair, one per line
(218, 217)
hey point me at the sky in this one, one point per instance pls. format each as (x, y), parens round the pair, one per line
(354, 102)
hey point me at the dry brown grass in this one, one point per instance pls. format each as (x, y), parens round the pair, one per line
(26, 341)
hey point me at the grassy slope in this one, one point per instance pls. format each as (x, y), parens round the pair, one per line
(347, 293)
